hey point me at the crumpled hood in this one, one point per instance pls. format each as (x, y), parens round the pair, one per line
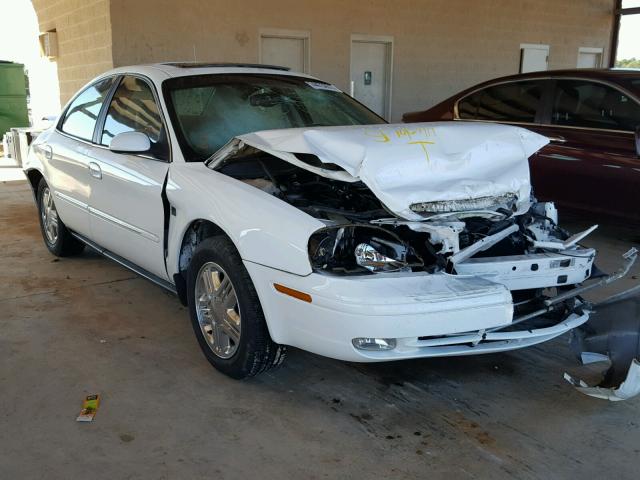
(408, 164)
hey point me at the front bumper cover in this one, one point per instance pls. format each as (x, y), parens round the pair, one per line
(428, 315)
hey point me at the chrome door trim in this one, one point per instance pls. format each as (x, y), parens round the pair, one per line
(123, 224)
(127, 264)
(557, 156)
(71, 200)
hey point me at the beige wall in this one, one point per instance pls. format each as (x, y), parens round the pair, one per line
(84, 39)
(440, 46)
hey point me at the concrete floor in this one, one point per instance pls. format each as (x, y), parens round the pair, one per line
(71, 327)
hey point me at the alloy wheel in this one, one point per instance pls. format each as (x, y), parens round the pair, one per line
(218, 310)
(49, 216)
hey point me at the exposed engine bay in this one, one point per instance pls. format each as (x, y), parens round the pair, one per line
(363, 237)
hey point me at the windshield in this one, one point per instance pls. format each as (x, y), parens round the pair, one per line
(209, 110)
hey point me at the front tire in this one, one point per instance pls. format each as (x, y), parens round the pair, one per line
(56, 237)
(226, 314)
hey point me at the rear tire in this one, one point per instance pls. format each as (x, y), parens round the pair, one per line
(57, 237)
(226, 314)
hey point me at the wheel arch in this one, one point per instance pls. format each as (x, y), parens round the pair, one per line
(195, 232)
(33, 177)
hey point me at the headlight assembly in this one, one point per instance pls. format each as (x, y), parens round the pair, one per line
(357, 249)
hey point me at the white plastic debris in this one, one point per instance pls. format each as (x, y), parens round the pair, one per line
(627, 389)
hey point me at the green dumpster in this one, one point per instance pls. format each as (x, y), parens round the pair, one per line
(13, 97)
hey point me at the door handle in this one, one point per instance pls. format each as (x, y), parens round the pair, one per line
(48, 151)
(45, 149)
(95, 171)
(557, 139)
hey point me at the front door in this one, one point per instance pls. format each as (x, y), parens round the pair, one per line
(371, 74)
(126, 205)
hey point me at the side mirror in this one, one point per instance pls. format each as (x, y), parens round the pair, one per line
(638, 140)
(130, 142)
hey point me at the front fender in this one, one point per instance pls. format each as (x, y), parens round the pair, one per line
(264, 229)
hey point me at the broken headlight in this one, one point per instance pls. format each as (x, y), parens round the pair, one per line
(360, 249)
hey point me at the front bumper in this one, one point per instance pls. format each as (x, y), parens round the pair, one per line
(428, 315)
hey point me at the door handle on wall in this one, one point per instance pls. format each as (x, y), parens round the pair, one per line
(557, 139)
(95, 171)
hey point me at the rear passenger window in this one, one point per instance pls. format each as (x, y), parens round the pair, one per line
(80, 118)
(508, 102)
(133, 108)
(580, 103)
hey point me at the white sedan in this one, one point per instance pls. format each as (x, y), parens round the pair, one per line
(283, 212)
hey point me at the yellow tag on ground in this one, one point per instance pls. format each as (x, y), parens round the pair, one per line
(89, 408)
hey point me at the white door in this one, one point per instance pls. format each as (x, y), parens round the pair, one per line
(589, 58)
(126, 206)
(371, 74)
(285, 51)
(534, 58)
(68, 156)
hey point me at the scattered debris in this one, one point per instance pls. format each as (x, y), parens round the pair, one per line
(89, 408)
(627, 389)
(611, 337)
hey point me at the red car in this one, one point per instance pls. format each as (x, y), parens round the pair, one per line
(592, 118)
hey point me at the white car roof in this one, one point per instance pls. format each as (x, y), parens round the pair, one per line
(161, 71)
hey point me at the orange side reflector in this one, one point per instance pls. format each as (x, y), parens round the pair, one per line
(305, 297)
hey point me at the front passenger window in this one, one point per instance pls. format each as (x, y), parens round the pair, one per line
(133, 109)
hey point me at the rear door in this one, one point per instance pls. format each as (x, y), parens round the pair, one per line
(591, 162)
(67, 154)
(126, 204)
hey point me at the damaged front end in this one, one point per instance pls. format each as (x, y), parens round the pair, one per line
(450, 207)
